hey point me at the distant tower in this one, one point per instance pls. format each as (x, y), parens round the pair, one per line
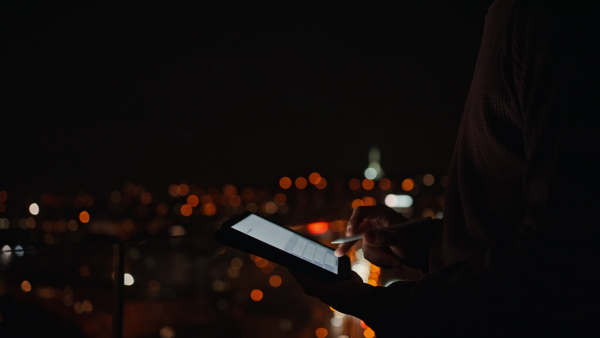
(374, 171)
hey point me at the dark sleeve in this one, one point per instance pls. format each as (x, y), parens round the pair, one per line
(546, 279)
(557, 89)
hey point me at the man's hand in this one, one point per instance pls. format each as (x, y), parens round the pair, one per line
(389, 249)
(346, 296)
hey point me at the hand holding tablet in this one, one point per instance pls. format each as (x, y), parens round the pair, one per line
(256, 235)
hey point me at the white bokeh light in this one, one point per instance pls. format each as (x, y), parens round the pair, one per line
(128, 279)
(34, 209)
(398, 201)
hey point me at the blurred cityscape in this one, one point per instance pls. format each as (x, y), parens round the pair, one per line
(140, 263)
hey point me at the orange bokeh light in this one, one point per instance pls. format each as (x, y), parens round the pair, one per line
(229, 190)
(84, 217)
(317, 228)
(162, 208)
(280, 199)
(186, 210)
(314, 178)
(206, 199)
(146, 198)
(301, 183)
(285, 182)
(357, 203)
(193, 200)
(354, 184)
(408, 184)
(321, 332)
(275, 281)
(385, 184)
(256, 295)
(209, 209)
(368, 184)
(369, 201)
(26, 286)
(322, 184)
(183, 189)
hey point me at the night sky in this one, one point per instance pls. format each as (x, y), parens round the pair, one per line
(98, 93)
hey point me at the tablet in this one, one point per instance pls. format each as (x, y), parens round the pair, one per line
(256, 235)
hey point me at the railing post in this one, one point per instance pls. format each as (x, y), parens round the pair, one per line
(119, 272)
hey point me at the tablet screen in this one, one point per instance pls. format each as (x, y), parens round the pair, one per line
(289, 241)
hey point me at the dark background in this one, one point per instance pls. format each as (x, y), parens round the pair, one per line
(98, 93)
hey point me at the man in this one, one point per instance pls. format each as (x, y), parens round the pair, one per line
(517, 252)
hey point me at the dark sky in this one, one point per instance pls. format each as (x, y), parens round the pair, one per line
(98, 93)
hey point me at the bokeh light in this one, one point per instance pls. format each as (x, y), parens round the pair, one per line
(317, 228)
(385, 184)
(300, 182)
(275, 281)
(128, 279)
(428, 180)
(357, 203)
(285, 182)
(84, 217)
(398, 201)
(193, 200)
(321, 332)
(256, 295)
(34, 209)
(408, 184)
(314, 178)
(322, 184)
(186, 210)
(354, 184)
(367, 184)
(25, 286)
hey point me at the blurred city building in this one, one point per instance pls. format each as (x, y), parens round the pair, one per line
(140, 263)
